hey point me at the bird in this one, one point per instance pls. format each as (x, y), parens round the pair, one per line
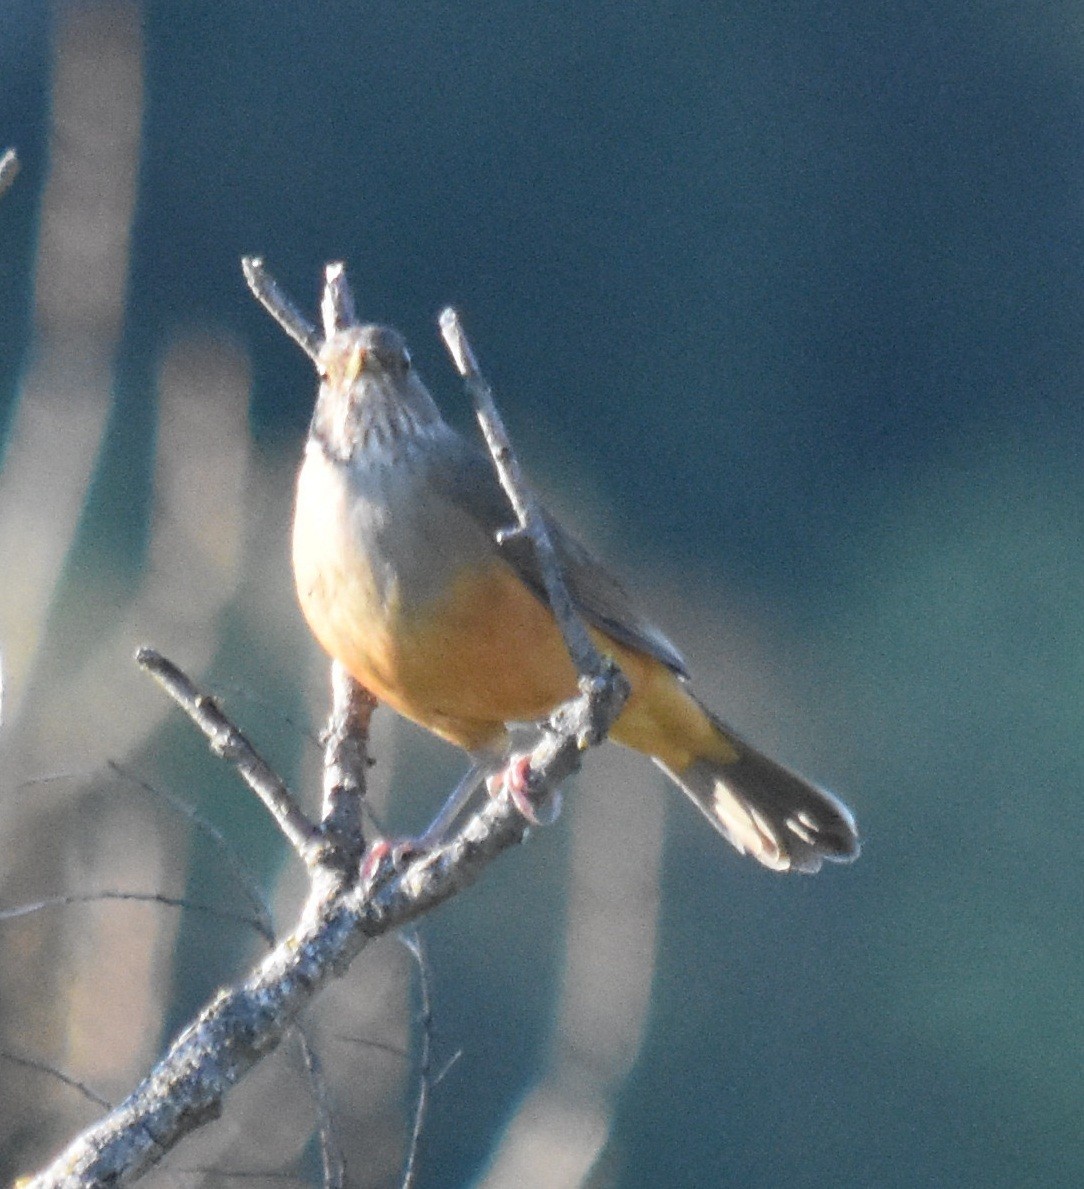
(405, 577)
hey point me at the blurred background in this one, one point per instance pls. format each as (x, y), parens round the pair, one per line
(783, 305)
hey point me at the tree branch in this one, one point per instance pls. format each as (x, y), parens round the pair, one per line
(585, 656)
(349, 904)
(413, 943)
(331, 1156)
(243, 1024)
(229, 743)
(9, 170)
(266, 291)
(346, 761)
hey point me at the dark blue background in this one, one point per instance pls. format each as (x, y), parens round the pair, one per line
(800, 289)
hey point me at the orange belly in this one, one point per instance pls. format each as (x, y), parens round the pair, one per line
(487, 653)
(451, 637)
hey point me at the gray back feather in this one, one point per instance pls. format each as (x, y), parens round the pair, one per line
(465, 476)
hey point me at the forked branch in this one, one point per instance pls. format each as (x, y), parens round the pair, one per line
(351, 900)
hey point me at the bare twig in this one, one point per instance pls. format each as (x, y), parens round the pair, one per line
(241, 1174)
(228, 742)
(281, 308)
(381, 1046)
(413, 942)
(9, 170)
(585, 656)
(57, 1075)
(251, 889)
(35, 906)
(445, 1069)
(36, 782)
(337, 302)
(331, 1155)
(243, 692)
(244, 1023)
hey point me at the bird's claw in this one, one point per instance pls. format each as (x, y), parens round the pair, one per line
(386, 857)
(515, 778)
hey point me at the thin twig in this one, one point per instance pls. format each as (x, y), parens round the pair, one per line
(241, 691)
(58, 1075)
(585, 656)
(35, 906)
(229, 743)
(413, 942)
(445, 1069)
(266, 291)
(262, 917)
(33, 782)
(381, 1046)
(337, 302)
(242, 1174)
(9, 170)
(251, 889)
(331, 1154)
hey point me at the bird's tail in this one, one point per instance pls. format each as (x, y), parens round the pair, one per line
(764, 809)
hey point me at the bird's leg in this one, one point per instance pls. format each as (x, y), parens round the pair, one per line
(388, 854)
(480, 771)
(496, 772)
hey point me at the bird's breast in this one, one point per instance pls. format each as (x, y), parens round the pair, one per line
(409, 593)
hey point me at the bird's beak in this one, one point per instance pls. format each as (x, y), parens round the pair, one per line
(341, 364)
(354, 364)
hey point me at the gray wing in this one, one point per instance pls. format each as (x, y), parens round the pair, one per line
(466, 476)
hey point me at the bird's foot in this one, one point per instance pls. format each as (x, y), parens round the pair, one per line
(515, 778)
(386, 857)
